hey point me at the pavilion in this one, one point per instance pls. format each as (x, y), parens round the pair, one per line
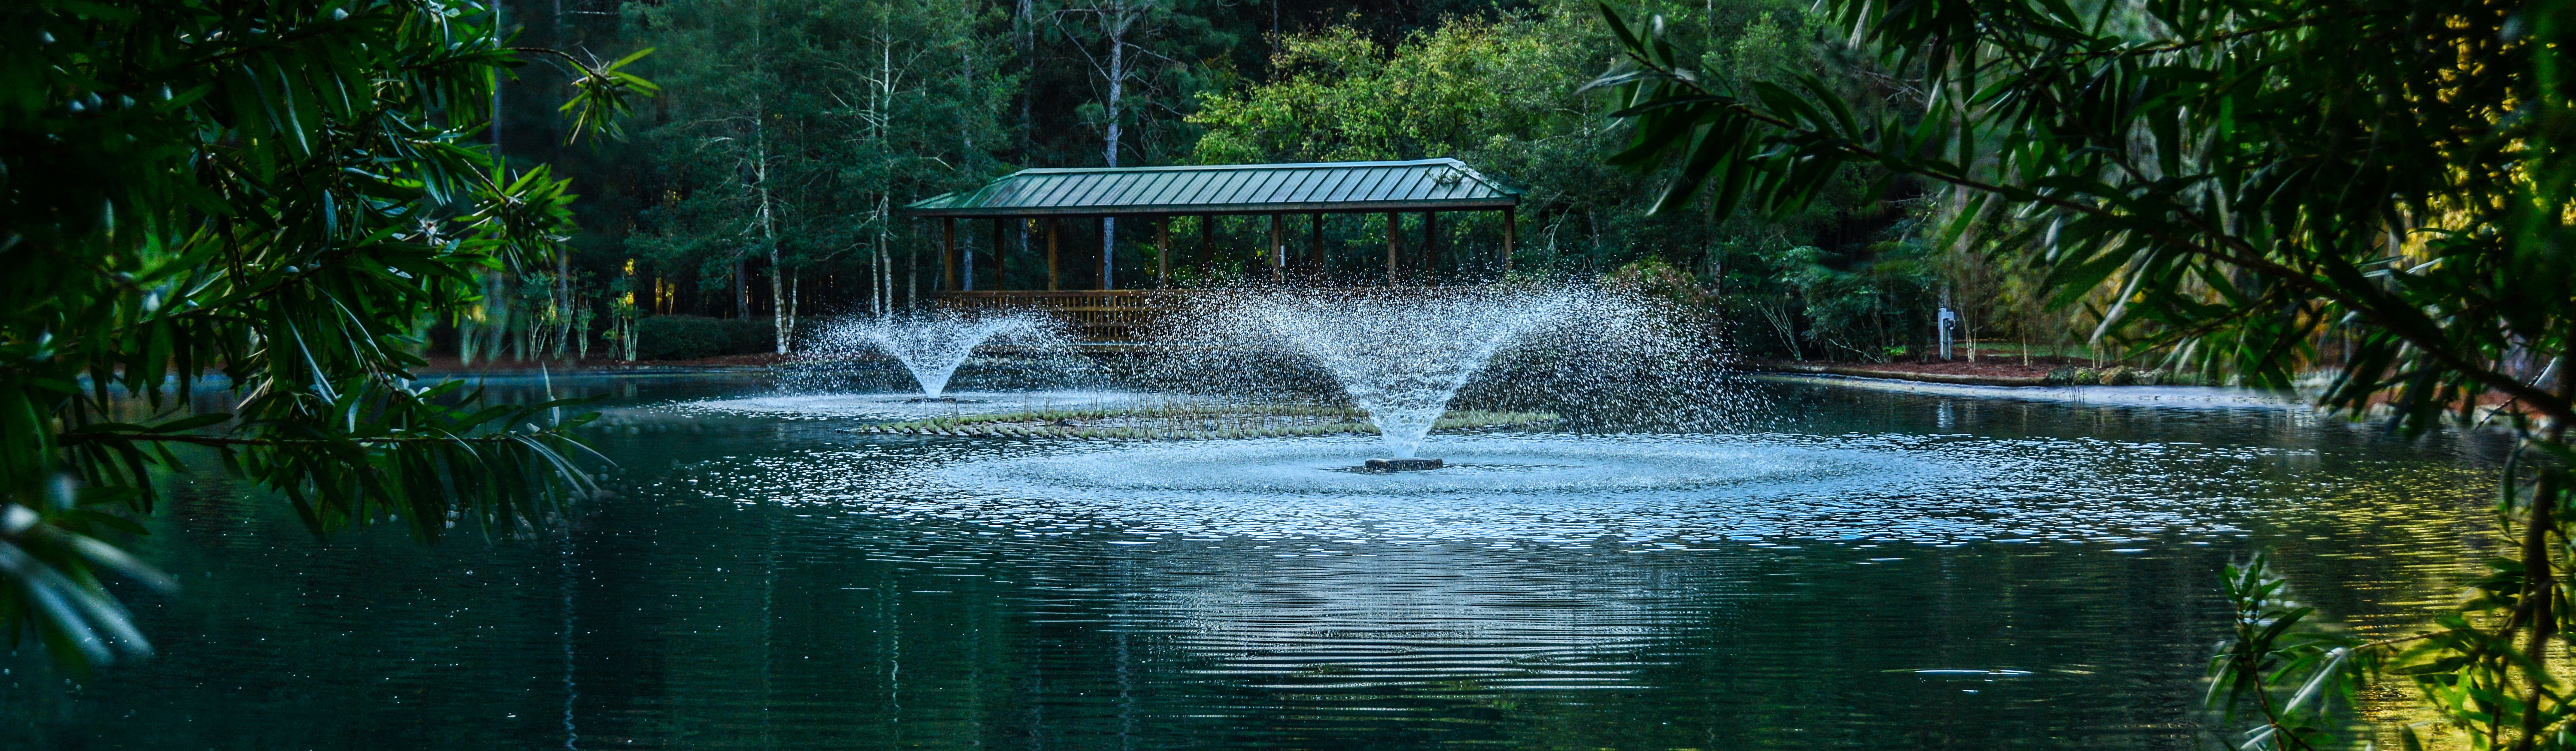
(1050, 197)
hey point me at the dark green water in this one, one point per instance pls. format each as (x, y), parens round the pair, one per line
(766, 582)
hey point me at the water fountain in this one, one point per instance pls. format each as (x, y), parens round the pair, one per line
(930, 346)
(1402, 356)
(1540, 554)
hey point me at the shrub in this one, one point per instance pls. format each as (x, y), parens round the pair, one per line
(695, 337)
(749, 336)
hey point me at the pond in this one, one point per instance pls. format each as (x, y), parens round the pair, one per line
(1848, 568)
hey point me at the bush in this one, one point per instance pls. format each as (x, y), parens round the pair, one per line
(678, 338)
(695, 337)
(749, 336)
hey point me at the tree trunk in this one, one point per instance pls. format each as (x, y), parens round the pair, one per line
(741, 292)
(759, 171)
(784, 322)
(1117, 22)
(883, 267)
(879, 102)
(1024, 32)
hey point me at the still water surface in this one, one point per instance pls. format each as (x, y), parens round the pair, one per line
(1854, 569)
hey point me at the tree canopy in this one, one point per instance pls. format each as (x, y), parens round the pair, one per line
(281, 194)
(2231, 182)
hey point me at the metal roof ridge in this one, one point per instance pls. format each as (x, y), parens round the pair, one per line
(1489, 182)
(1190, 167)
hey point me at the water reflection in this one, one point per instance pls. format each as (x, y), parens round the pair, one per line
(1870, 570)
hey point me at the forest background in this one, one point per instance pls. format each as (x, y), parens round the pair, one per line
(764, 187)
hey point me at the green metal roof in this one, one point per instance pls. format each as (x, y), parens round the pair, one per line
(1419, 185)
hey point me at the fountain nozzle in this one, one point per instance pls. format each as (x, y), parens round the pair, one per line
(1402, 465)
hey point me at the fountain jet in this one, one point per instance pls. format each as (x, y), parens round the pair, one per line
(1401, 355)
(930, 346)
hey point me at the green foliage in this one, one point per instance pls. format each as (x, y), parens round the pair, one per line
(1506, 95)
(1850, 304)
(2225, 183)
(1461, 89)
(2282, 677)
(793, 130)
(695, 337)
(278, 192)
(1499, 95)
(679, 338)
(792, 134)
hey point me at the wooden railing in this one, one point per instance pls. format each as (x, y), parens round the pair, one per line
(1122, 315)
(1118, 315)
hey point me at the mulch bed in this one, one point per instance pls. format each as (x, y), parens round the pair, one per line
(1984, 367)
(449, 364)
(2005, 370)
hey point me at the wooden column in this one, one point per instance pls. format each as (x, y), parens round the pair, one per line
(1163, 252)
(1430, 248)
(1315, 247)
(1278, 248)
(1394, 238)
(948, 253)
(1051, 268)
(1511, 237)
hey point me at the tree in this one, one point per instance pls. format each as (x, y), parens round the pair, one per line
(1501, 95)
(2236, 179)
(280, 192)
(1125, 31)
(1506, 95)
(798, 128)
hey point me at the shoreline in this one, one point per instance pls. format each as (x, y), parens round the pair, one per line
(2189, 397)
(2037, 371)
(1956, 379)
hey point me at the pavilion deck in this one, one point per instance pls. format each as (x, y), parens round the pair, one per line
(1113, 317)
(1043, 200)
(1090, 316)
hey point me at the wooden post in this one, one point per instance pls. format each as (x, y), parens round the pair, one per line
(1051, 268)
(1394, 223)
(1511, 237)
(1278, 248)
(1430, 248)
(1163, 252)
(1315, 249)
(998, 280)
(948, 253)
